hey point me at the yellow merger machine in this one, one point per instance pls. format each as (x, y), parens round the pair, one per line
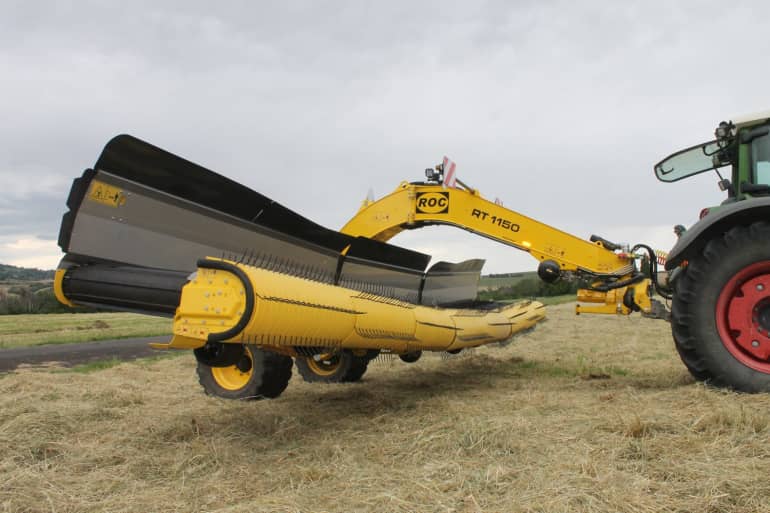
(252, 285)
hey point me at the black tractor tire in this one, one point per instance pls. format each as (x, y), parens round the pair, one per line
(410, 357)
(341, 367)
(720, 314)
(259, 374)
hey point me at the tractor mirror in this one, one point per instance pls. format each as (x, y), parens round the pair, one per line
(690, 161)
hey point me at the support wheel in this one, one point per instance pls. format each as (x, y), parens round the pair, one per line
(258, 374)
(410, 357)
(720, 315)
(340, 367)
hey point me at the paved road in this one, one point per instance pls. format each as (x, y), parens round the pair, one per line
(67, 355)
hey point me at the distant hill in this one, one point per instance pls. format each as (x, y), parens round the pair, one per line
(496, 281)
(13, 273)
(498, 287)
(27, 291)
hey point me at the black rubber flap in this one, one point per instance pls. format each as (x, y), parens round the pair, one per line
(368, 249)
(75, 197)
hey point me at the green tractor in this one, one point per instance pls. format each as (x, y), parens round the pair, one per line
(719, 269)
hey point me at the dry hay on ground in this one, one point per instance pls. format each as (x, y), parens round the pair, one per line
(583, 414)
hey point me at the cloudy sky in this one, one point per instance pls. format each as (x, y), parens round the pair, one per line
(558, 108)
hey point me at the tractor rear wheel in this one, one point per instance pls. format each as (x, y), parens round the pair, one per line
(720, 315)
(340, 367)
(258, 374)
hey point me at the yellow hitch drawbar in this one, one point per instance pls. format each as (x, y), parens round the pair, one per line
(232, 302)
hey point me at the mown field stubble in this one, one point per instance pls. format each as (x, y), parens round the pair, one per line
(583, 414)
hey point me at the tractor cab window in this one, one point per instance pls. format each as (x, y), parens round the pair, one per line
(691, 161)
(760, 159)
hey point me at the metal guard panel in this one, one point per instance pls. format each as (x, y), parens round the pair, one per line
(146, 208)
(153, 229)
(133, 159)
(449, 284)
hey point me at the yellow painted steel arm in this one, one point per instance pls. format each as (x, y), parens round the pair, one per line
(232, 302)
(417, 205)
(414, 205)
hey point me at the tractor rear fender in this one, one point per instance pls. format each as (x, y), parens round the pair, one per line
(715, 224)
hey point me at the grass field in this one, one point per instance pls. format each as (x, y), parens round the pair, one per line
(584, 414)
(39, 329)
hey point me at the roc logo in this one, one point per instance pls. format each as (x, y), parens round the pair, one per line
(432, 202)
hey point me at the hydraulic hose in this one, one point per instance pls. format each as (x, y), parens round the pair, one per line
(653, 269)
(636, 278)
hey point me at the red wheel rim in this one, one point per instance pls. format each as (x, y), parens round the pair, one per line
(743, 316)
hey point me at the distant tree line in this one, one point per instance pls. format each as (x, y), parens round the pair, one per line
(504, 275)
(13, 273)
(530, 287)
(33, 298)
(25, 291)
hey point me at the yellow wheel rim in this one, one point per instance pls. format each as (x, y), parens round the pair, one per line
(324, 365)
(232, 378)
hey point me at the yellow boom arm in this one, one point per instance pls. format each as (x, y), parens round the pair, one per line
(415, 205)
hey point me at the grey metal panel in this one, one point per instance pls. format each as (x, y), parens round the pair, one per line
(447, 283)
(143, 163)
(154, 229)
(390, 281)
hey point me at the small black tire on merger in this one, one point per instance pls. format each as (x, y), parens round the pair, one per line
(411, 357)
(259, 374)
(340, 367)
(720, 315)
